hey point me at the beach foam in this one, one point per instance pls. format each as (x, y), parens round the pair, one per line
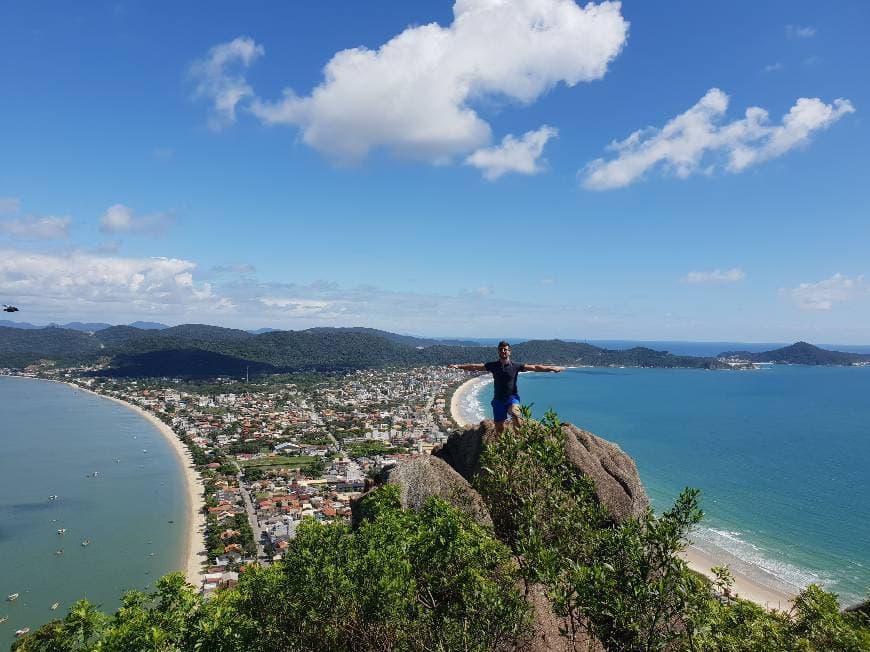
(754, 561)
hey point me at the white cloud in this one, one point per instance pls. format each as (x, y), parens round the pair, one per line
(684, 144)
(219, 78)
(9, 205)
(413, 95)
(86, 286)
(825, 294)
(521, 156)
(805, 31)
(121, 219)
(295, 307)
(716, 276)
(81, 279)
(773, 67)
(42, 228)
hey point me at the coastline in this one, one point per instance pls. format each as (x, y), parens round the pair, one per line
(195, 552)
(698, 560)
(744, 587)
(461, 395)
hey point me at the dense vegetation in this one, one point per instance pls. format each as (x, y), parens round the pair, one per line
(433, 579)
(196, 350)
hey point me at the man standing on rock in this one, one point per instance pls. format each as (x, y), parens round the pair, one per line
(504, 372)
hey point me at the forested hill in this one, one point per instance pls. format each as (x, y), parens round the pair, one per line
(800, 353)
(172, 351)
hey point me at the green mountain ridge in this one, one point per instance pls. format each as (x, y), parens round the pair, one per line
(149, 352)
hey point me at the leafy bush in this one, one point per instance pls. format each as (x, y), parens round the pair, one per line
(405, 580)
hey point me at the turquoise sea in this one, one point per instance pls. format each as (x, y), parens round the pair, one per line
(782, 457)
(54, 439)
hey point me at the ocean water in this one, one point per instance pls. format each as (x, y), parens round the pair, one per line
(54, 438)
(781, 456)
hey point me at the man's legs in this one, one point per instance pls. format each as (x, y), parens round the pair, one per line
(516, 416)
(502, 409)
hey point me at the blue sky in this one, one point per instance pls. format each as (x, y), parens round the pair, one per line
(535, 168)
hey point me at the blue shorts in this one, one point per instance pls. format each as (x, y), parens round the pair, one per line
(500, 407)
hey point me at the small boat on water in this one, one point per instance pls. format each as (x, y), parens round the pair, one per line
(54, 605)
(21, 632)
(59, 551)
(12, 597)
(61, 530)
(86, 542)
(3, 619)
(53, 497)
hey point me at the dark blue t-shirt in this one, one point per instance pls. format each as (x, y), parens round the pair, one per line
(504, 377)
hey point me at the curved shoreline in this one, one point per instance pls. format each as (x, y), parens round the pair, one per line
(459, 394)
(194, 546)
(698, 560)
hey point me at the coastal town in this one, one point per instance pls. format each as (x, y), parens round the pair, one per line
(266, 453)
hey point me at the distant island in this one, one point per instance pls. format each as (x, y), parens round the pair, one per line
(199, 350)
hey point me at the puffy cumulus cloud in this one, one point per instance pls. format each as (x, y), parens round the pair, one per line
(220, 79)
(513, 155)
(9, 205)
(413, 95)
(90, 282)
(716, 276)
(825, 294)
(686, 143)
(41, 228)
(121, 219)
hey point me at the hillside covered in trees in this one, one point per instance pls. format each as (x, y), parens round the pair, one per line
(139, 352)
(203, 350)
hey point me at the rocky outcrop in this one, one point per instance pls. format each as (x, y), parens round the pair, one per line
(618, 485)
(447, 473)
(463, 448)
(418, 478)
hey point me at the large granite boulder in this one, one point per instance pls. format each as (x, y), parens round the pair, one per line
(463, 448)
(418, 478)
(617, 482)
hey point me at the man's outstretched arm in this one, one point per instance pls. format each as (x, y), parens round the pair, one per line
(542, 367)
(469, 367)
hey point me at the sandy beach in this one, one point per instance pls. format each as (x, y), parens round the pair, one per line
(698, 560)
(460, 396)
(195, 540)
(744, 587)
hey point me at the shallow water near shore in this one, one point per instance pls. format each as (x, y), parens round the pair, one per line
(781, 456)
(54, 439)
